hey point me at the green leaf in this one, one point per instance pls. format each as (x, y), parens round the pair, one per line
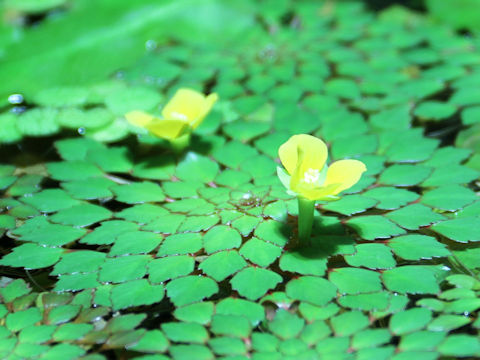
(81, 120)
(435, 110)
(221, 238)
(73, 170)
(234, 153)
(286, 325)
(14, 289)
(50, 200)
(76, 148)
(21, 319)
(170, 267)
(68, 350)
(185, 352)
(71, 332)
(470, 115)
(303, 261)
(108, 231)
(410, 320)
(254, 282)
(244, 131)
(135, 242)
(136, 293)
(416, 247)
(133, 267)
(157, 168)
(231, 325)
(390, 197)
(343, 88)
(190, 289)
(448, 322)
(38, 122)
(404, 175)
(349, 130)
(185, 332)
(81, 215)
(460, 345)
(222, 264)
(94, 188)
(463, 229)
(198, 223)
(79, 261)
(40, 231)
(77, 281)
(355, 281)
(374, 227)
(258, 166)
(372, 256)
(246, 224)
(421, 340)
(373, 301)
(272, 231)
(314, 331)
(449, 197)
(9, 132)
(62, 96)
(411, 279)
(180, 244)
(195, 167)
(135, 193)
(167, 224)
(152, 341)
(420, 149)
(414, 216)
(452, 174)
(31, 256)
(447, 155)
(260, 252)
(254, 312)
(129, 99)
(348, 323)
(113, 159)
(311, 289)
(228, 346)
(394, 118)
(370, 338)
(36, 334)
(62, 314)
(198, 312)
(350, 204)
(143, 213)
(264, 342)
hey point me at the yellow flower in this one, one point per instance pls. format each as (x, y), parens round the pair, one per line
(307, 175)
(182, 114)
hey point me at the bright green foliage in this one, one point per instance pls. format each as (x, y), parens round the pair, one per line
(113, 243)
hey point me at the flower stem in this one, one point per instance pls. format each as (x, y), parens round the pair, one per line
(179, 144)
(305, 220)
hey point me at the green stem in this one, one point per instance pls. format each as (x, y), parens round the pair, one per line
(305, 220)
(179, 144)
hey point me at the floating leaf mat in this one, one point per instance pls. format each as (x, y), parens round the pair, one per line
(115, 247)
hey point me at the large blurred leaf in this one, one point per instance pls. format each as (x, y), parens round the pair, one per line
(458, 13)
(69, 50)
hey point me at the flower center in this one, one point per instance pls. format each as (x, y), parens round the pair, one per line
(311, 176)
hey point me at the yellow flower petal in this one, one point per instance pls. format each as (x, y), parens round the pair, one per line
(210, 100)
(345, 173)
(314, 150)
(188, 105)
(318, 193)
(139, 118)
(167, 129)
